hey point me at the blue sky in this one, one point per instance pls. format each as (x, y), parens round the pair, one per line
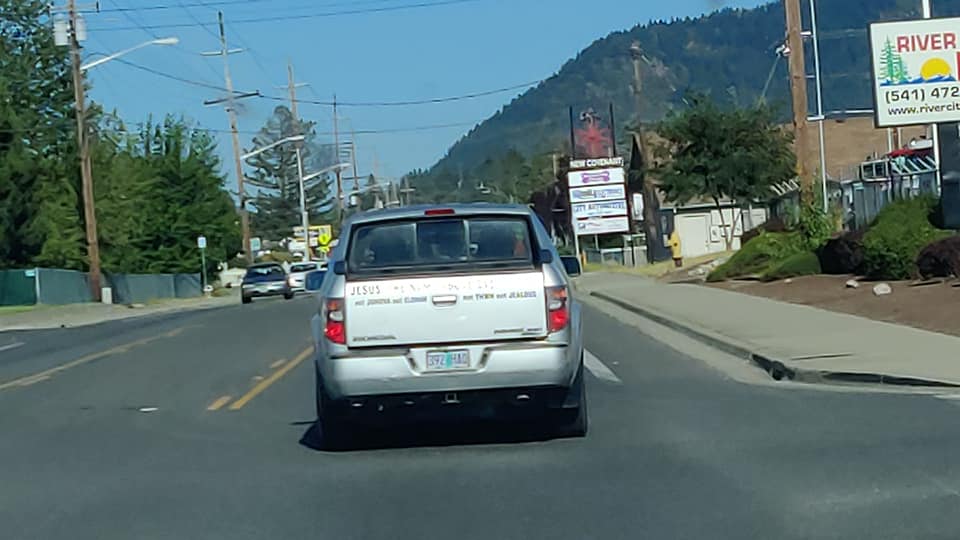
(454, 48)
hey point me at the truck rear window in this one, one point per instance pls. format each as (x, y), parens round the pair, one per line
(441, 244)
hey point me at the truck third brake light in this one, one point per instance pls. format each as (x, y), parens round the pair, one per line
(439, 212)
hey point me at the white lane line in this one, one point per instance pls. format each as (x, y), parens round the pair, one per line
(11, 346)
(598, 368)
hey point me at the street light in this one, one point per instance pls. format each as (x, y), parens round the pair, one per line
(160, 41)
(258, 151)
(325, 170)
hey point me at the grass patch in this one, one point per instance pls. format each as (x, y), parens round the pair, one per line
(10, 310)
(655, 270)
(801, 264)
(759, 255)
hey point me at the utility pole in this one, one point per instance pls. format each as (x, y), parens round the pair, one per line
(353, 159)
(304, 214)
(235, 136)
(336, 153)
(86, 169)
(649, 190)
(798, 88)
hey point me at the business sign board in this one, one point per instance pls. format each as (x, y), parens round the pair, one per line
(600, 209)
(600, 193)
(916, 65)
(596, 177)
(602, 225)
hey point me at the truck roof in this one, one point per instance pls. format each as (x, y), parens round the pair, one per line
(459, 209)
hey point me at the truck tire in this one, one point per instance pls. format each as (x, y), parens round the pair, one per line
(575, 422)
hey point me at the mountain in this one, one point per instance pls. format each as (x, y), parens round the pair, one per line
(729, 54)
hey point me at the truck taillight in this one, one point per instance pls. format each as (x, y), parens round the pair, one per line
(558, 309)
(335, 327)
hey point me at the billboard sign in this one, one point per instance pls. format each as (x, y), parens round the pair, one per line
(916, 66)
(602, 225)
(596, 177)
(600, 209)
(600, 193)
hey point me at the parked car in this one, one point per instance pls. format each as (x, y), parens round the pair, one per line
(299, 271)
(458, 309)
(265, 279)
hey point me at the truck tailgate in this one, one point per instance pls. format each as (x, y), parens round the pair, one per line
(445, 309)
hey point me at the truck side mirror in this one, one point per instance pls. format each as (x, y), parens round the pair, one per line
(572, 265)
(314, 280)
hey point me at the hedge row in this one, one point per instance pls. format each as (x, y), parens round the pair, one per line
(901, 243)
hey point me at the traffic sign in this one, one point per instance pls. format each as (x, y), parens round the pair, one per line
(202, 242)
(255, 244)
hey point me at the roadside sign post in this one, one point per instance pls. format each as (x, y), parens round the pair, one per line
(598, 199)
(202, 244)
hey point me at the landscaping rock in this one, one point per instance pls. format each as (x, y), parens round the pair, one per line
(882, 289)
(940, 259)
(853, 284)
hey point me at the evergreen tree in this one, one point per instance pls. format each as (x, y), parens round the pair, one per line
(276, 178)
(39, 172)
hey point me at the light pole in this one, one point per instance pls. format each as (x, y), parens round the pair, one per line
(819, 90)
(935, 131)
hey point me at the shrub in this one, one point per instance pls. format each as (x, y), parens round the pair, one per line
(804, 263)
(772, 225)
(940, 259)
(893, 243)
(816, 225)
(757, 255)
(842, 255)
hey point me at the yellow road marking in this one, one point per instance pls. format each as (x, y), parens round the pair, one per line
(219, 402)
(274, 377)
(46, 374)
(278, 363)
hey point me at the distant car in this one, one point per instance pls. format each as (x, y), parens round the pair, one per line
(299, 271)
(265, 279)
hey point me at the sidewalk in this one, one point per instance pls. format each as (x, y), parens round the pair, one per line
(44, 317)
(794, 341)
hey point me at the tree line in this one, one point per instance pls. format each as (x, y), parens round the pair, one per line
(158, 184)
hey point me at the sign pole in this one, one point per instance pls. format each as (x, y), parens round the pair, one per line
(202, 244)
(203, 268)
(934, 129)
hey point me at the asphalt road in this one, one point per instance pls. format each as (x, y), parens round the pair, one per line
(108, 432)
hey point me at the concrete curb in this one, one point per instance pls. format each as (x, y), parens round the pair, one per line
(777, 368)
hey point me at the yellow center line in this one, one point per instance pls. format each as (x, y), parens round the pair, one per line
(274, 377)
(46, 374)
(219, 402)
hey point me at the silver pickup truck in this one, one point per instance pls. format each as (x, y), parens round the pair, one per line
(460, 309)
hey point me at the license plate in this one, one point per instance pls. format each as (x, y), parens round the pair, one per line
(448, 360)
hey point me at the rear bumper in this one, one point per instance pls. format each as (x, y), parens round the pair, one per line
(259, 292)
(399, 372)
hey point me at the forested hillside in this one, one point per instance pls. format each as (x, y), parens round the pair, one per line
(729, 54)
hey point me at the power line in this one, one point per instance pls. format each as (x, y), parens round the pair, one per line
(410, 102)
(212, 4)
(380, 131)
(172, 77)
(275, 18)
(329, 103)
